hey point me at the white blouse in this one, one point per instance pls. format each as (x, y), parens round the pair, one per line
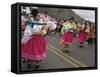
(29, 31)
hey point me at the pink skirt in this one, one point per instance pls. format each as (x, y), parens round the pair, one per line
(35, 48)
(67, 38)
(82, 37)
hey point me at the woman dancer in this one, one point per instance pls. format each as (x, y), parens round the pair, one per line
(33, 42)
(82, 35)
(67, 34)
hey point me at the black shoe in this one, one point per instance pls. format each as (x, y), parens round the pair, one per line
(67, 51)
(28, 65)
(37, 66)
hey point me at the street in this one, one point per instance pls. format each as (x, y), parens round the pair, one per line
(56, 59)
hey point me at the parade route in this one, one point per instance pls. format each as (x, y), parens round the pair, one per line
(56, 59)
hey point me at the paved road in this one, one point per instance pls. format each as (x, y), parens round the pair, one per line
(85, 55)
(78, 57)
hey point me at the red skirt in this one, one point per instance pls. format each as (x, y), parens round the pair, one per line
(82, 37)
(35, 48)
(67, 38)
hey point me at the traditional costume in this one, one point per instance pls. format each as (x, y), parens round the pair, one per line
(67, 34)
(33, 46)
(82, 35)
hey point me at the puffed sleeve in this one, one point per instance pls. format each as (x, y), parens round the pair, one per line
(27, 35)
(28, 31)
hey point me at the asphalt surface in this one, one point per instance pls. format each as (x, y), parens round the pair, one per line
(56, 59)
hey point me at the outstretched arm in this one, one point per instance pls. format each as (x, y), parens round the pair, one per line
(42, 32)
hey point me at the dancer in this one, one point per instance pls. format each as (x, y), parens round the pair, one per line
(82, 35)
(34, 44)
(67, 34)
